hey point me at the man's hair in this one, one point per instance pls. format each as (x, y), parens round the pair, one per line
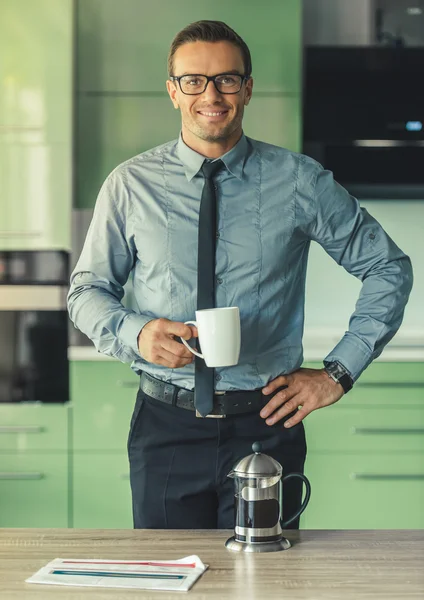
(209, 31)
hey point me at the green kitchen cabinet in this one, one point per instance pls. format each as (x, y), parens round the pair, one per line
(33, 427)
(36, 49)
(34, 465)
(34, 489)
(123, 47)
(365, 491)
(366, 453)
(104, 394)
(344, 429)
(102, 494)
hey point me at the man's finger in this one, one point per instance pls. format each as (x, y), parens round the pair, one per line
(179, 329)
(277, 400)
(284, 410)
(274, 384)
(172, 361)
(176, 348)
(298, 417)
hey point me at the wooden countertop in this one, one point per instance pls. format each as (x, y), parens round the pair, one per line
(330, 565)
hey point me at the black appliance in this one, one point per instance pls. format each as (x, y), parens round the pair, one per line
(33, 326)
(363, 117)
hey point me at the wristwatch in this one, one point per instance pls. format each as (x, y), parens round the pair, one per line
(339, 374)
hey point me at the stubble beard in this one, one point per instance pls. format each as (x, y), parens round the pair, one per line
(220, 135)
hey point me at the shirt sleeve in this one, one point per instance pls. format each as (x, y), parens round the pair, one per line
(96, 285)
(355, 240)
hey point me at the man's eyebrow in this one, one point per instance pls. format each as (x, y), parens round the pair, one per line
(232, 72)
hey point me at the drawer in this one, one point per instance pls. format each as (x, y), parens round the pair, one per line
(340, 428)
(365, 492)
(103, 397)
(33, 490)
(101, 491)
(33, 427)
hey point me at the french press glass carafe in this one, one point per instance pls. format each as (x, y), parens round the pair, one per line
(258, 504)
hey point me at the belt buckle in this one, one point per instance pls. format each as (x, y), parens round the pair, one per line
(210, 416)
(213, 416)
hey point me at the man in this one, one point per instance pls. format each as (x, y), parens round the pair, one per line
(270, 203)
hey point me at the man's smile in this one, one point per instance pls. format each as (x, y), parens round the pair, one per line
(213, 115)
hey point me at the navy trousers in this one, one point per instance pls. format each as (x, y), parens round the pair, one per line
(179, 464)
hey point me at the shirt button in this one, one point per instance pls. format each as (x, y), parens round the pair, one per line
(215, 187)
(217, 235)
(218, 377)
(218, 280)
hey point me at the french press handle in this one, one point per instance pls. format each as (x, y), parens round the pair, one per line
(297, 514)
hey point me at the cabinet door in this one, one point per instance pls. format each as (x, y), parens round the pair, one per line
(360, 491)
(101, 490)
(120, 48)
(103, 394)
(33, 490)
(35, 124)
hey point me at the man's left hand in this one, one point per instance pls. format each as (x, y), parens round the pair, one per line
(308, 389)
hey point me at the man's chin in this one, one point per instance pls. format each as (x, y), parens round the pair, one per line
(215, 135)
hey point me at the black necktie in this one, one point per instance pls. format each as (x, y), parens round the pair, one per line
(204, 376)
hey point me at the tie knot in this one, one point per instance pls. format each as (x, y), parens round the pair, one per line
(209, 169)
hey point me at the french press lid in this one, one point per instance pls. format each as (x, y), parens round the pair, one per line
(257, 465)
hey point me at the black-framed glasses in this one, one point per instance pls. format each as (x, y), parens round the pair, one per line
(225, 83)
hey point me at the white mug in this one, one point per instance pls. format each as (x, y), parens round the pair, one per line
(219, 336)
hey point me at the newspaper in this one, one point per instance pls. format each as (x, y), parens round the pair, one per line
(166, 575)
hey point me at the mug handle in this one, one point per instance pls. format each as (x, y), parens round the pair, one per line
(305, 502)
(189, 347)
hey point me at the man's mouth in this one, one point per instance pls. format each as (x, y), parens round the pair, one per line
(212, 114)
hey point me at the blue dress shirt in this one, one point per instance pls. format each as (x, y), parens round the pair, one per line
(271, 203)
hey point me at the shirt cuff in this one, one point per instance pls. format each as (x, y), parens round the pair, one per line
(131, 327)
(352, 353)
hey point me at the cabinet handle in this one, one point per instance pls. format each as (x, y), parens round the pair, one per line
(21, 429)
(21, 476)
(388, 476)
(387, 430)
(8, 234)
(128, 384)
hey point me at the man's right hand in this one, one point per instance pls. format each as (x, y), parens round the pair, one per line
(157, 345)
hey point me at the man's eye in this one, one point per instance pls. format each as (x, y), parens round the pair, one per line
(194, 81)
(227, 80)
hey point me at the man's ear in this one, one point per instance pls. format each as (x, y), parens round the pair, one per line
(248, 91)
(172, 91)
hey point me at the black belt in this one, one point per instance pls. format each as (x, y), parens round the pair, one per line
(225, 403)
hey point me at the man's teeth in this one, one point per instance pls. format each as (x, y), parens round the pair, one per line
(212, 114)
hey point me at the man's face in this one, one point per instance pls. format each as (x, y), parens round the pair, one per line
(210, 58)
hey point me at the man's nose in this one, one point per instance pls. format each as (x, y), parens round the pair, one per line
(211, 91)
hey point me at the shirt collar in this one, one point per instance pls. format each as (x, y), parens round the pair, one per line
(193, 161)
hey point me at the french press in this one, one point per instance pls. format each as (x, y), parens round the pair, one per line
(258, 504)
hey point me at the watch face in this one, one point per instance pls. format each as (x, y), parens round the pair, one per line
(339, 374)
